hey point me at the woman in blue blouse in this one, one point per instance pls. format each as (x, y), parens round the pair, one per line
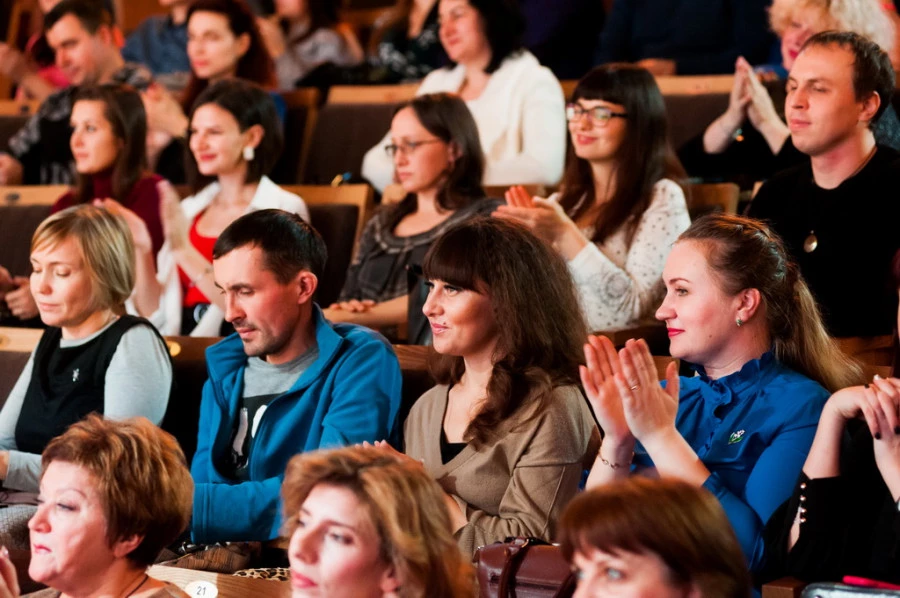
(737, 309)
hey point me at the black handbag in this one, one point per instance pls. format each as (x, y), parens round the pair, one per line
(523, 568)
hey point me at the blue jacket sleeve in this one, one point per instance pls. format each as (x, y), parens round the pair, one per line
(366, 396)
(770, 484)
(240, 512)
(206, 434)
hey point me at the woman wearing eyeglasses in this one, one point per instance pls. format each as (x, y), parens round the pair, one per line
(439, 163)
(619, 209)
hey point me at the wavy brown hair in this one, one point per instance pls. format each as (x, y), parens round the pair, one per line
(406, 508)
(683, 525)
(744, 254)
(645, 157)
(540, 325)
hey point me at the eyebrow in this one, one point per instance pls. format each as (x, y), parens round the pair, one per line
(56, 263)
(235, 287)
(331, 521)
(677, 279)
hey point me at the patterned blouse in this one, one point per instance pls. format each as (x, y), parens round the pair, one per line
(379, 270)
(402, 59)
(620, 284)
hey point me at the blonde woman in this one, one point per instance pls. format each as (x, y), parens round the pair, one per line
(91, 358)
(365, 524)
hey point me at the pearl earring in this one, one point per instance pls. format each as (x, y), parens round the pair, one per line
(249, 153)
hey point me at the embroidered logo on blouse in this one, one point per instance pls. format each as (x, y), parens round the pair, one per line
(75, 373)
(736, 437)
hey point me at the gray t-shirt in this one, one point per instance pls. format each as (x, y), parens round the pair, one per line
(263, 382)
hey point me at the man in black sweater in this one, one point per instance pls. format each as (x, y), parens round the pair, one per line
(839, 213)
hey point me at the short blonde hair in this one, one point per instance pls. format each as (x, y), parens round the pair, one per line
(406, 507)
(106, 246)
(141, 475)
(865, 17)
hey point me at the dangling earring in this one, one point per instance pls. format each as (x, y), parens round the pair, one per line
(249, 153)
(739, 322)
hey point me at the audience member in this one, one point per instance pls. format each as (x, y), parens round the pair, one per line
(506, 433)
(34, 71)
(842, 518)
(517, 104)
(390, 523)
(685, 37)
(661, 538)
(835, 212)
(438, 159)
(739, 312)
(302, 36)
(288, 382)
(223, 42)
(113, 495)
(620, 208)
(235, 140)
(82, 35)
(160, 44)
(408, 46)
(750, 141)
(90, 359)
(108, 128)
(562, 34)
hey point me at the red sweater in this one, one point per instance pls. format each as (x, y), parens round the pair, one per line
(143, 200)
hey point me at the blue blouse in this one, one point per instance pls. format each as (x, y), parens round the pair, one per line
(753, 430)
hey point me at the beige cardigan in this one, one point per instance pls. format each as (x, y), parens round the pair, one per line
(517, 485)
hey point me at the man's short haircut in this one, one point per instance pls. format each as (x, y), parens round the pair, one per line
(872, 70)
(92, 14)
(289, 244)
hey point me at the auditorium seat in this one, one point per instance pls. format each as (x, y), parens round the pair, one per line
(205, 583)
(302, 112)
(22, 209)
(337, 224)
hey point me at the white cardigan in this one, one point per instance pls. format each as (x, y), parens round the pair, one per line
(521, 122)
(621, 284)
(167, 317)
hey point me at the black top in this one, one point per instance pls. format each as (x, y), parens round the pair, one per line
(66, 384)
(449, 450)
(852, 524)
(849, 272)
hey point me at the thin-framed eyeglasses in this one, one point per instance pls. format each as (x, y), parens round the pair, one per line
(407, 147)
(599, 115)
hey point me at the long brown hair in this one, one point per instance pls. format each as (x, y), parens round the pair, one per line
(255, 65)
(124, 110)
(745, 254)
(540, 326)
(405, 506)
(683, 525)
(645, 157)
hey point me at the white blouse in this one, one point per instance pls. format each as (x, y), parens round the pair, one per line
(620, 284)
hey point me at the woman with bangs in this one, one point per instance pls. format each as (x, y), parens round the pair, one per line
(439, 163)
(641, 538)
(620, 207)
(507, 432)
(91, 358)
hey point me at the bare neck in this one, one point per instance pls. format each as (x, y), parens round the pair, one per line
(748, 343)
(838, 164)
(179, 13)
(604, 174)
(234, 188)
(117, 580)
(112, 65)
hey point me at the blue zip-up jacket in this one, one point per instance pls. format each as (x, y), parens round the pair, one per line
(351, 393)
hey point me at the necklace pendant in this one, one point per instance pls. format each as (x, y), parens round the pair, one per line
(811, 242)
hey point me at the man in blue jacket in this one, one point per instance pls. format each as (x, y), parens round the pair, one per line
(289, 381)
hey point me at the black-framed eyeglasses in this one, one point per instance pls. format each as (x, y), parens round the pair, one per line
(407, 147)
(598, 114)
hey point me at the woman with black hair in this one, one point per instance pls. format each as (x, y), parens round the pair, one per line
(517, 104)
(235, 140)
(305, 34)
(435, 150)
(620, 207)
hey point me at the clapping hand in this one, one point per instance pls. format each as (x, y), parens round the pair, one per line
(649, 409)
(543, 217)
(176, 227)
(598, 379)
